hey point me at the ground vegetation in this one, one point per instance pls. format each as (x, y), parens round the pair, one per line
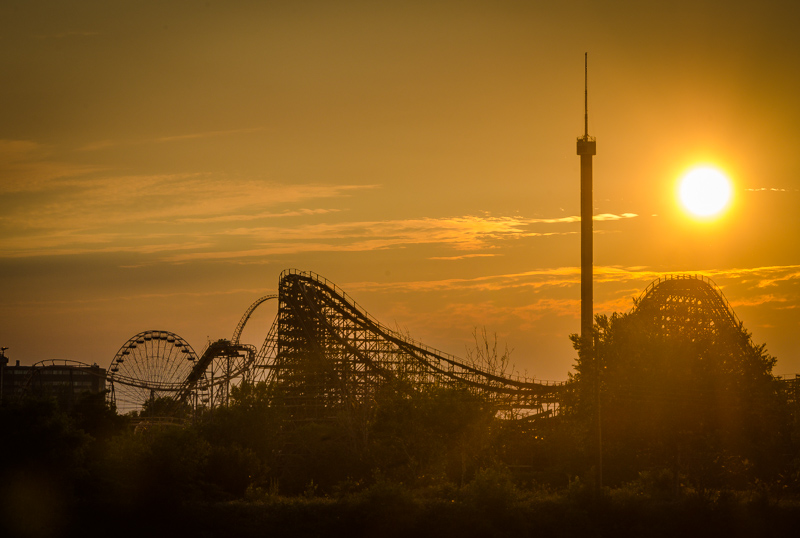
(697, 435)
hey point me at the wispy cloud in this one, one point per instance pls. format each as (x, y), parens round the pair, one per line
(117, 297)
(577, 218)
(570, 276)
(559, 276)
(94, 225)
(16, 150)
(67, 250)
(168, 198)
(74, 216)
(208, 134)
(26, 166)
(464, 233)
(460, 233)
(523, 300)
(81, 208)
(463, 256)
(63, 35)
(611, 216)
(98, 145)
(103, 144)
(258, 216)
(761, 277)
(771, 189)
(758, 300)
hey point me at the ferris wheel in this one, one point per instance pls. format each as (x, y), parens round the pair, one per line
(149, 365)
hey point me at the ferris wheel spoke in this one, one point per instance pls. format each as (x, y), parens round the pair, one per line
(152, 364)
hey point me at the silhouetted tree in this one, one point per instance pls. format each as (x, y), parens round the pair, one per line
(316, 456)
(92, 413)
(425, 435)
(486, 355)
(245, 438)
(165, 406)
(156, 469)
(702, 403)
(250, 420)
(42, 460)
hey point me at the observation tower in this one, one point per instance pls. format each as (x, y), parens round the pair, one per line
(587, 147)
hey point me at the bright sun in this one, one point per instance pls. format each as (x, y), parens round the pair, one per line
(705, 191)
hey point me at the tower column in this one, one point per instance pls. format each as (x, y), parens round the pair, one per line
(587, 246)
(587, 148)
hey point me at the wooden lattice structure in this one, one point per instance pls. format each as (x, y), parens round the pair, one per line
(332, 356)
(685, 304)
(325, 355)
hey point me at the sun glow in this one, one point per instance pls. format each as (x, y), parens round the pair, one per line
(705, 191)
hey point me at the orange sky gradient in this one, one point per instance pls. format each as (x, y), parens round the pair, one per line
(162, 162)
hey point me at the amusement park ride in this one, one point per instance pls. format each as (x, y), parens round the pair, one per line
(324, 354)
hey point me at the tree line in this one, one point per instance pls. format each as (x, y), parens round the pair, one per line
(682, 416)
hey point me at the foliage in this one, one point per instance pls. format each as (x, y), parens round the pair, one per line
(434, 433)
(165, 406)
(94, 415)
(486, 355)
(703, 404)
(387, 508)
(43, 464)
(37, 433)
(492, 490)
(155, 470)
(693, 426)
(315, 458)
(232, 469)
(249, 421)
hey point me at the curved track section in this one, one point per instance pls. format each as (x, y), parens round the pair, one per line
(237, 333)
(685, 304)
(332, 355)
(325, 355)
(222, 364)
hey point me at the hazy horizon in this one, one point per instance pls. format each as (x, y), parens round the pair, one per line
(162, 163)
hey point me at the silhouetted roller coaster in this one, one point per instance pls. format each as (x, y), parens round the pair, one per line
(325, 355)
(332, 355)
(680, 304)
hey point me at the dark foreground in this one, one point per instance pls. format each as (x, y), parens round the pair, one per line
(389, 510)
(539, 518)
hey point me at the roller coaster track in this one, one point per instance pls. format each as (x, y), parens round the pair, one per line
(680, 304)
(332, 355)
(243, 356)
(325, 355)
(237, 333)
(155, 364)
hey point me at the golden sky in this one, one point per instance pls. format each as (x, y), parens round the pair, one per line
(162, 162)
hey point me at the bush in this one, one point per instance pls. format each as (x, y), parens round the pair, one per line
(492, 491)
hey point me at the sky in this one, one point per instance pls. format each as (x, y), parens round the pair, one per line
(161, 163)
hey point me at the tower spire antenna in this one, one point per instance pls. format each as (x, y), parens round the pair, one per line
(586, 95)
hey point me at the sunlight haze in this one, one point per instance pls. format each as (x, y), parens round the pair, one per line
(705, 191)
(162, 162)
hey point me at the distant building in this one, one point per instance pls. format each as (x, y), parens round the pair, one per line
(60, 378)
(790, 386)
